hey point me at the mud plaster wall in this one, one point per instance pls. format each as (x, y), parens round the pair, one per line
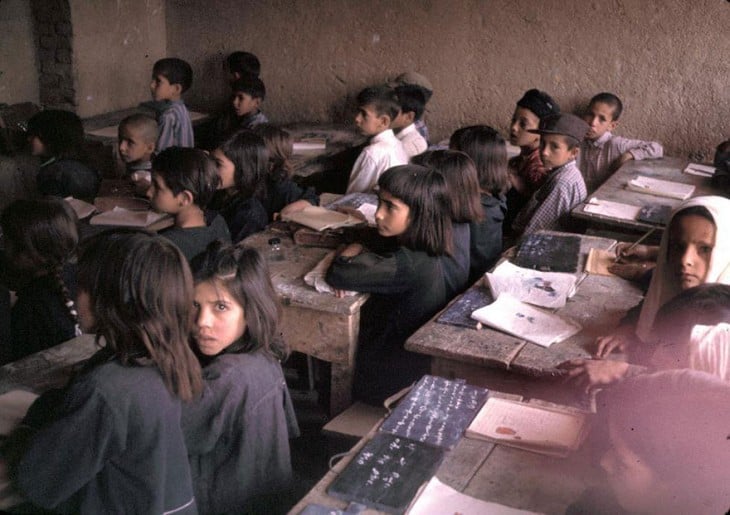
(115, 45)
(668, 60)
(18, 68)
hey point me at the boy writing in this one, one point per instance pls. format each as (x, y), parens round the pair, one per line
(602, 153)
(377, 108)
(183, 183)
(137, 138)
(171, 77)
(412, 104)
(549, 207)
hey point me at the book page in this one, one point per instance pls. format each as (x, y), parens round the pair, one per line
(660, 188)
(528, 426)
(546, 289)
(701, 170)
(82, 209)
(436, 496)
(320, 218)
(127, 217)
(611, 209)
(524, 321)
(599, 260)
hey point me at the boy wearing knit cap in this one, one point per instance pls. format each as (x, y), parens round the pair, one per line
(564, 188)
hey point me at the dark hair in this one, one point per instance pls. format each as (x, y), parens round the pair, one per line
(188, 169)
(411, 100)
(611, 100)
(570, 141)
(381, 99)
(425, 193)
(705, 304)
(41, 236)
(250, 85)
(141, 294)
(538, 103)
(61, 132)
(696, 211)
(149, 130)
(461, 179)
(243, 63)
(247, 151)
(280, 146)
(243, 272)
(175, 70)
(488, 151)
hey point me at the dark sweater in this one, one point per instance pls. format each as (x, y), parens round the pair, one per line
(456, 267)
(193, 240)
(486, 236)
(68, 177)
(244, 216)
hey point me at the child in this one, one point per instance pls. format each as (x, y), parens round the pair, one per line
(670, 452)
(57, 137)
(527, 173)
(488, 151)
(40, 239)
(243, 112)
(377, 108)
(171, 77)
(466, 210)
(407, 286)
(137, 138)
(412, 103)
(238, 432)
(283, 195)
(564, 188)
(242, 64)
(111, 441)
(184, 181)
(242, 163)
(602, 153)
(423, 86)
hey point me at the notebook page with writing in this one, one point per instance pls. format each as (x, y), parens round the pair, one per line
(660, 188)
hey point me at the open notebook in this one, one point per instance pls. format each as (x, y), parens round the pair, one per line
(320, 218)
(660, 188)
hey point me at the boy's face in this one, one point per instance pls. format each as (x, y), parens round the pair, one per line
(691, 242)
(554, 151)
(523, 120)
(369, 122)
(132, 147)
(162, 199)
(162, 89)
(600, 119)
(243, 103)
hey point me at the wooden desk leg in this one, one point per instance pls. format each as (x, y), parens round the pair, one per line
(340, 388)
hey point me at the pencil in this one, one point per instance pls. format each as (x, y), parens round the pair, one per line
(633, 245)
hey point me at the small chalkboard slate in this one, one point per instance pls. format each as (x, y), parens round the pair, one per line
(387, 473)
(549, 252)
(436, 411)
(657, 214)
(459, 312)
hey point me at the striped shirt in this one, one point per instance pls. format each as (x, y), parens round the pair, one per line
(176, 129)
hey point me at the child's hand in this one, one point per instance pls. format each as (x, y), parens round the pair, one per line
(620, 340)
(626, 254)
(593, 372)
(295, 206)
(630, 271)
(352, 250)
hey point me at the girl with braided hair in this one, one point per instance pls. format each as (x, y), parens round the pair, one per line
(40, 240)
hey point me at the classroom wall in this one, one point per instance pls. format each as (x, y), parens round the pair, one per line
(667, 59)
(115, 45)
(18, 68)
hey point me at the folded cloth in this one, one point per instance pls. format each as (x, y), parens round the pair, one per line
(710, 350)
(315, 277)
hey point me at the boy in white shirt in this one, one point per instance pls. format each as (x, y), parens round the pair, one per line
(412, 105)
(377, 108)
(602, 153)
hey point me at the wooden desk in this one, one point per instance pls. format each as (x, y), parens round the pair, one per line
(614, 190)
(339, 137)
(487, 357)
(513, 477)
(317, 324)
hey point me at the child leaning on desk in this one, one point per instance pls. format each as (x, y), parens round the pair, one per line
(602, 153)
(407, 285)
(184, 181)
(111, 441)
(238, 432)
(171, 77)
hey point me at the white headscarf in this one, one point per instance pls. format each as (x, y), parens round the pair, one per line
(663, 286)
(709, 350)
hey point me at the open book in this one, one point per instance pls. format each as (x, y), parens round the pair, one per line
(552, 431)
(660, 188)
(546, 289)
(612, 209)
(320, 218)
(362, 205)
(524, 321)
(129, 218)
(701, 170)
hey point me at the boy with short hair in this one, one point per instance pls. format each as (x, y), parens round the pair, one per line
(171, 77)
(377, 108)
(242, 64)
(183, 183)
(248, 93)
(422, 84)
(412, 104)
(549, 207)
(137, 139)
(602, 153)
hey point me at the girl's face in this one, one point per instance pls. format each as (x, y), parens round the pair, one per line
(226, 169)
(83, 307)
(392, 216)
(219, 318)
(691, 241)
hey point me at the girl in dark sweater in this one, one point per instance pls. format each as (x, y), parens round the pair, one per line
(407, 285)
